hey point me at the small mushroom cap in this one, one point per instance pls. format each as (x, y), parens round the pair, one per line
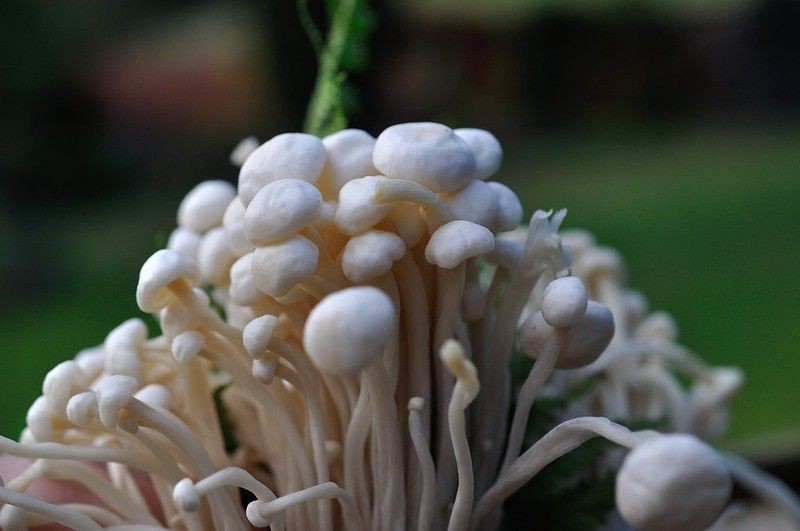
(233, 222)
(184, 241)
(91, 360)
(280, 209)
(160, 270)
(425, 152)
(564, 302)
(154, 395)
(598, 262)
(672, 482)
(349, 157)
(39, 420)
(186, 346)
(356, 210)
(476, 202)
(585, 341)
(457, 241)
(185, 496)
(371, 254)
(243, 149)
(243, 289)
(130, 334)
(215, 256)
(81, 408)
(509, 208)
(258, 333)
(348, 329)
(279, 267)
(286, 156)
(204, 206)
(485, 148)
(113, 393)
(60, 383)
(717, 388)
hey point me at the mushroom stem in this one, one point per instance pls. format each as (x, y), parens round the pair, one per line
(427, 491)
(68, 517)
(763, 486)
(659, 380)
(557, 442)
(355, 477)
(323, 491)
(542, 368)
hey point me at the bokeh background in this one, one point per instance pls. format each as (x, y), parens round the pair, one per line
(670, 129)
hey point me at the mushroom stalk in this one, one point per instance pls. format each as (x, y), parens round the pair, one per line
(427, 491)
(67, 517)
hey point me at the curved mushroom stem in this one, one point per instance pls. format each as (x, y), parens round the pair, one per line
(323, 491)
(68, 517)
(659, 380)
(763, 486)
(399, 190)
(557, 442)
(542, 368)
(355, 479)
(427, 491)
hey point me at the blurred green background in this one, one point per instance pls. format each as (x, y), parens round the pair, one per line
(670, 130)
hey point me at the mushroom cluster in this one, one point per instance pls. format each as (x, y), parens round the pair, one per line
(349, 312)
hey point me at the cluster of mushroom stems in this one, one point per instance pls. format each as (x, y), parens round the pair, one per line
(349, 312)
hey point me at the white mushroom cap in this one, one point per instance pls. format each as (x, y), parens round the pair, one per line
(184, 241)
(60, 383)
(455, 242)
(258, 333)
(286, 156)
(113, 393)
(204, 205)
(279, 267)
(185, 496)
(349, 157)
(39, 420)
(81, 408)
(91, 360)
(485, 148)
(161, 269)
(130, 334)
(585, 341)
(348, 329)
(476, 202)
(509, 208)
(186, 346)
(371, 254)
(658, 326)
(215, 256)
(425, 152)
(673, 482)
(243, 289)
(598, 261)
(564, 302)
(154, 395)
(243, 149)
(233, 222)
(408, 222)
(716, 388)
(280, 209)
(356, 210)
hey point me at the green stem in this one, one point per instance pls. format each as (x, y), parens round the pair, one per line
(324, 114)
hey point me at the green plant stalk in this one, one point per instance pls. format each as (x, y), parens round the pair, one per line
(325, 113)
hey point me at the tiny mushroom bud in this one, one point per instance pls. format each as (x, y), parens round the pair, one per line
(185, 496)
(204, 206)
(476, 202)
(280, 209)
(585, 341)
(39, 420)
(356, 211)
(673, 482)
(425, 152)
(63, 381)
(186, 346)
(286, 156)
(348, 329)
(486, 149)
(184, 241)
(258, 333)
(564, 302)
(509, 209)
(81, 408)
(371, 254)
(157, 273)
(113, 393)
(279, 267)
(455, 242)
(243, 149)
(349, 157)
(215, 256)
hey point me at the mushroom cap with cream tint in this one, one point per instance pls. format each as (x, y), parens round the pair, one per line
(599, 262)
(349, 157)
(113, 393)
(371, 254)
(348, 329)
(356, 212)
(184, 241)
(425, 152)
(277, 268)
(408, 223)
(286, 156)
(585, 340)
(60, 383)
(175, 318)
(485, 148)
(564, 302)
(280, 209)
(186, 346)
(215, 257)
(243, 289)
(243, 149)
(233, 222)
(154, 395)
(457, 241)
(258, 333)
(157, 273)
(672, 483)
(476, 202)
(509, 208)
(204, 206)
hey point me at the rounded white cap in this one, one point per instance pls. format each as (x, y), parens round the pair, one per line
(233, 222)
(485, 148)
(371, 254)
(673, 482)
(286, 156)
(454, 242)
(279, 267)
(184, 241)
(186, 346)
(154, 395)
(280, 209)
(161, 269)
(81, 408)
(356, 211)
(113, 393)
(185, 496)
(258, 333)
(425, 152)
(243, 149)
(509, 208)
(564, 302)
(476, 202)
(348, 329)
(243, 289)
(349, 157)
(204, 205)
(60, 383)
